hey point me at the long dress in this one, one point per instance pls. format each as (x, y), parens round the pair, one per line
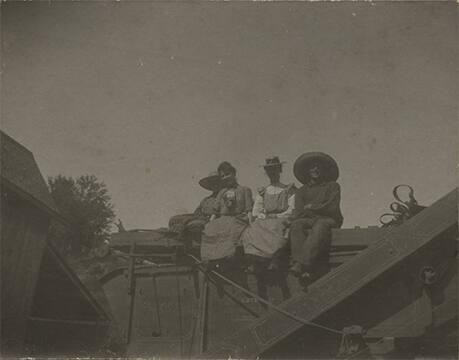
(266, 235)
(222, 235)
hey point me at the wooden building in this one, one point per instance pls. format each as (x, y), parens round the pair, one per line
(45, 309)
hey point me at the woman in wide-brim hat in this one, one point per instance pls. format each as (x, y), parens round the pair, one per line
(213, 183)
(317, 211)
(191, 225)
(221, 236)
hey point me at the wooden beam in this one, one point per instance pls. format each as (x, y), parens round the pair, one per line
(131, 292)
(71, 322)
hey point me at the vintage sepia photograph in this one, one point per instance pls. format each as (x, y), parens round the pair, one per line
(229, 179)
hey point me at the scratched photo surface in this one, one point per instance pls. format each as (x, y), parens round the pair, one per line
(150, 97)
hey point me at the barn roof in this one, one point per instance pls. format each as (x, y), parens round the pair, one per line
(20, 173)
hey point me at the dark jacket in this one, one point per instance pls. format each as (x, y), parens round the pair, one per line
(324, 200)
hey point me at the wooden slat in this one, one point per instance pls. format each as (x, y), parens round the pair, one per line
(357, 237)
(23, 239)
(72, 322)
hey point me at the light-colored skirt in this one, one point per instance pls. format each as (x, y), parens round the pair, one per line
(221, 237)
(264, 237)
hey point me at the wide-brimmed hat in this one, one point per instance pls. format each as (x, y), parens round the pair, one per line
(211, 182)
(272, 162)
(328, 165)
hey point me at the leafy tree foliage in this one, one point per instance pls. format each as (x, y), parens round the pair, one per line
(86, 204)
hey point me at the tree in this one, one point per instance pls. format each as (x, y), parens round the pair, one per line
(86, 204)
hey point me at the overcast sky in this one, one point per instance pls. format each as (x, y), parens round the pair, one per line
(150, 97)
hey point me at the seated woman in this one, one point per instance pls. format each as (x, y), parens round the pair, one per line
(266, 237)
(222, 235)
(190, 226)
(273, 205)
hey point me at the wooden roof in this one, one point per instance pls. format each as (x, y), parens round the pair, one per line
(20, 173)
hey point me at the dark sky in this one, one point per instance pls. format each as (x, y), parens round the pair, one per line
(151, 96)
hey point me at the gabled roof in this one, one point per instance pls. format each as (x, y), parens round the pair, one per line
(20, 173)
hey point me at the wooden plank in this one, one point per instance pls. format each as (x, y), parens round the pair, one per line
(202, 320)
(24, 241)
(337, 259)
(72, 322)
(357, 237)
(157, 305)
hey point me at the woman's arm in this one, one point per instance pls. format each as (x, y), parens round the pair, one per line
(198, 210)
(248, 200)
(291, 206)
(218, 202)
(258, 206)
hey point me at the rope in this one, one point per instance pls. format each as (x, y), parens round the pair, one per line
(269, 304)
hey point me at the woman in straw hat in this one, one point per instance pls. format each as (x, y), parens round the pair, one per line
(317, 211)
(265, 238)
(273, 205)
(206, 208)
(222, 234)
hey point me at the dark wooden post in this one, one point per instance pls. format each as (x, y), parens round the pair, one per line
(131, 290)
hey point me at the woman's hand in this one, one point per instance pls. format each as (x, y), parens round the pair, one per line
(286, 222)
(243, 217)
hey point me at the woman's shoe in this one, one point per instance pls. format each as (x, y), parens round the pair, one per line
(296, 269)
(273, 267)
(250, 269)
(305, 279)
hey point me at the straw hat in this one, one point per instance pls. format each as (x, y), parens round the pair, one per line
(274, 161)
(210, 182)
(328, 166)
